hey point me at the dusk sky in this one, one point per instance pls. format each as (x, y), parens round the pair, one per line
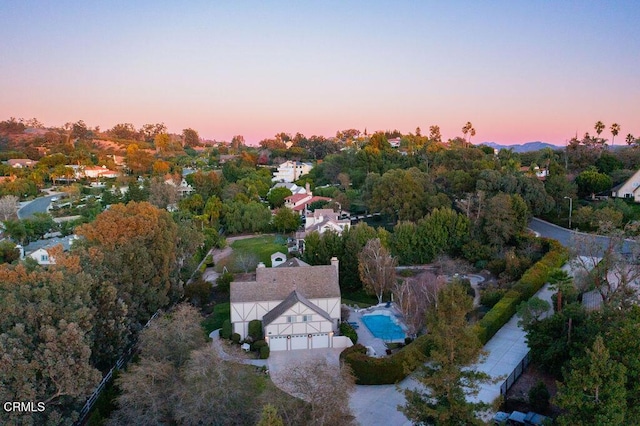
(518, 70)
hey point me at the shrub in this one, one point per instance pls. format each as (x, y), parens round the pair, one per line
(347, 330)
(491, 296)
(255, 329)
(226, 330)
(389, 370)
(258, 344)
(198, 292)
(539, 397)
(235, 338)
(223, 282)
(264, 352)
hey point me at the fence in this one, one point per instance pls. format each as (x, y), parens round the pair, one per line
(121, 362)
(517, 372)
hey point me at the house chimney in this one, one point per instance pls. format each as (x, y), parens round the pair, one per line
(335, 262)
(308, 188)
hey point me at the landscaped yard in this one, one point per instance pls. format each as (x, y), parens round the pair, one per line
(252, 250)
(360, 298)
(221, 312)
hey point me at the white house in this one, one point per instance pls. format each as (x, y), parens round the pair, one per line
(180, 184)
(628, 189)
(42, 256)
(321, 221)
(299, 306)
(295, 189)
(290, 171)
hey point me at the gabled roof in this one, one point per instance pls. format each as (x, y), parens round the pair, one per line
(314, 282)
(293, 298)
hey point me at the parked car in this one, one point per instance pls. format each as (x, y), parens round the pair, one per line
(518, 418)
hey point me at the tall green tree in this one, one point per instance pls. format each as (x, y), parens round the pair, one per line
(447, 383)
(286, 220)
(594, 390)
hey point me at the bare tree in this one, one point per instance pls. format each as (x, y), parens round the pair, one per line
(173, 336)
(414, 296)
(609, 266)
(245, 260)
(326, 388)
(162, 194)
(377, 268)
(8, 207)
(213, 389)
(145, 387)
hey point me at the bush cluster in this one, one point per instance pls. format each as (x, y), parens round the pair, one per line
(226, 330)
(532, 280)
(385, 371)
(347, 330)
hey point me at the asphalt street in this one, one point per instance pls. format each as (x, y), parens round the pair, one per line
(568, 238)
(39, 205)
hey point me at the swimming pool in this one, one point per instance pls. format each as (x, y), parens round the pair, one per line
(383, 327)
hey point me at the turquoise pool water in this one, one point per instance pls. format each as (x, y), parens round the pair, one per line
(383, 327)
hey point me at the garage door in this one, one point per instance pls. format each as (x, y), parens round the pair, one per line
(300, 342)
(278, 343)
(320, 340)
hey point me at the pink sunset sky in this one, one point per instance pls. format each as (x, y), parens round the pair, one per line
(519, 71)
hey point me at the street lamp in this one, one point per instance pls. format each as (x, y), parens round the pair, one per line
(570, 209)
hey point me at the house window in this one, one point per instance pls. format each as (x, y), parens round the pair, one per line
(44, 258)
(291, 318)
(307, 318)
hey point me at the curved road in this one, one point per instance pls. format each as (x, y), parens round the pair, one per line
(565, 236)
(39, 205)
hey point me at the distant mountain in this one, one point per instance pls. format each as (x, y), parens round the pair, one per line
(529, 146)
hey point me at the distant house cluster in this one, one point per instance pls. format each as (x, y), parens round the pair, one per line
(21, 163)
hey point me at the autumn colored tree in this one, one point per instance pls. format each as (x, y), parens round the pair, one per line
(46, 321)
(134, 247)
(190, 137)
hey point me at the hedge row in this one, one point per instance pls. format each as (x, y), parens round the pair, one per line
(392, 369)
(389, 370)
(532, 281)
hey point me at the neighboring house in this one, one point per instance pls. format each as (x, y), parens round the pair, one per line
(628, 189)
(40, 250)
(300, 202)
(536, 171)
(299, 306)
(180, 184)
(295, 189)
(92, 172)
(21, 163)
(321, 220)
(394, 142)
(290, 171)
(42, 257)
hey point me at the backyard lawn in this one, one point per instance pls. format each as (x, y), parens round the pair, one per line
(221, 312)
(251, 251)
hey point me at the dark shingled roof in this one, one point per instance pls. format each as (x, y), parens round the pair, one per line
(287, 303)
(313, 282)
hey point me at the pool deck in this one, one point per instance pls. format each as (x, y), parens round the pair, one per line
(365, 337)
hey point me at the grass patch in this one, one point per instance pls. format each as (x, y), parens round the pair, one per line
(360, 298)
(261, 247)
(221, 312)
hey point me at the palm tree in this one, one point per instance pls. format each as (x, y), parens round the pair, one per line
(599, 127)
(629, 139)
(472, 132)
(615, 129)
(468, 128)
